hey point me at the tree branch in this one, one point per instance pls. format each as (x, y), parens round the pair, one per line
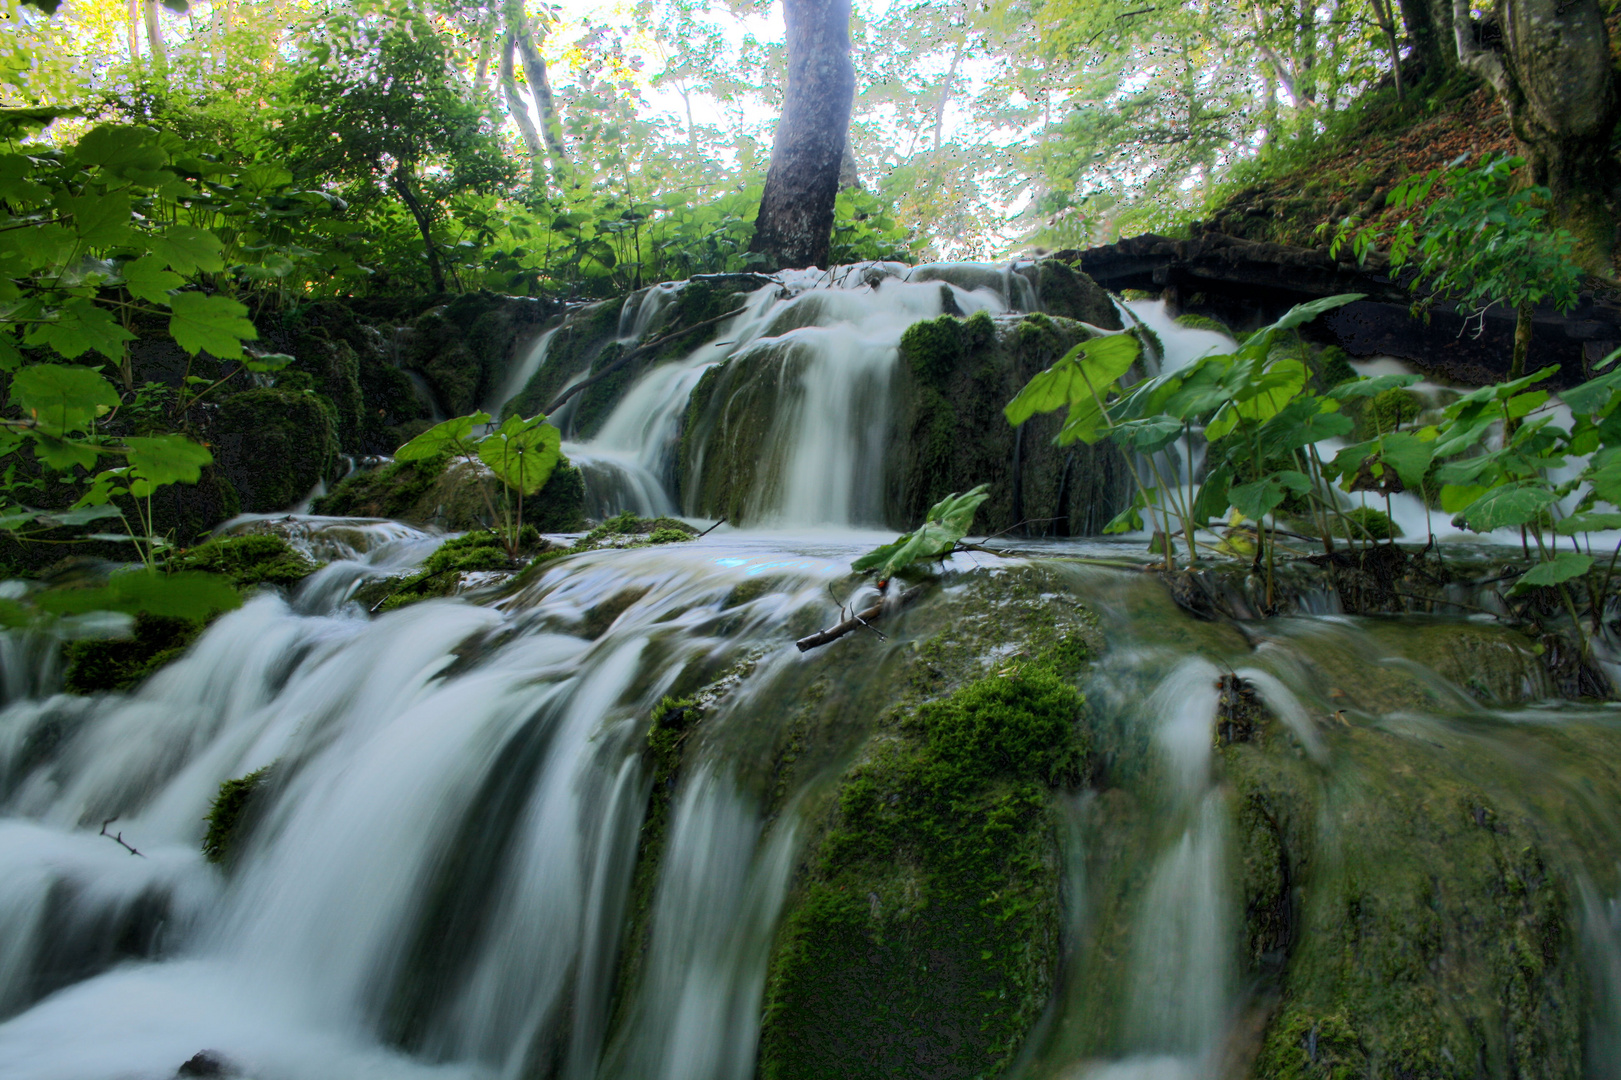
(859, 619)
(119, 837)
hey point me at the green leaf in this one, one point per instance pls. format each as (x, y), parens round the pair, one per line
(187, 250)
(190, 594)
(1562, 567)
(62, 398)
(523, 453)
(119, 147)
(948, 521)
(168, 459)
(146, 279)
(1507, 507)
(1364, 388)
(1409, 455)
(212, 324)
(98, 219)
(79, 326)
(450, 437)
(266, 363)
(1258, 499)
(1590, 521)
(1087, 370)
(1454, 497)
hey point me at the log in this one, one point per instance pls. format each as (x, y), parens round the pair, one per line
(858, 620)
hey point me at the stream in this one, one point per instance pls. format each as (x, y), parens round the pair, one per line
(443, 862)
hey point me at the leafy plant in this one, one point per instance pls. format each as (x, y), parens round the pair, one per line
(521, 454)
(943, 528)
(1481, 240)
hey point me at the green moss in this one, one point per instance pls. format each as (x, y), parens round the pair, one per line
(578, 343)
(659, 530)
(93, 667)
(1066, 292)
(1333, 366)
(1203, 322)
(931, 347)
(259, 559)
(228, 815)
(930, 906)
(470, 552)
(274, 446)
(1366, 523)
(450, 494)
(1386, 411)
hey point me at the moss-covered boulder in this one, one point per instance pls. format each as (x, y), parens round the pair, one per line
(230, 816)
(453, 494)
(1428, 917)
(274, 446)
(1066, 293)
(464, 349)
(100, 666)
(921, 933)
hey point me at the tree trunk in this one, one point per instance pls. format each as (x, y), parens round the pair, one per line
(154, 34)
(795, 224)
(521, 31)
(1431, 56)
(1551, 69)
(520, 115)
(400, 181)
(134, 31)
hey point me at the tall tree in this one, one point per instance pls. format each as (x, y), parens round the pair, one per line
(795, 224)
(1549, 61)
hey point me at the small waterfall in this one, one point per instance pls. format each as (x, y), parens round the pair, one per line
(834, 337)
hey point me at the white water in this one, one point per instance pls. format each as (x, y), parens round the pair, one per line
(836, 344)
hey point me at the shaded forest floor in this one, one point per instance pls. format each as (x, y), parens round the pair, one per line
(1350, 170)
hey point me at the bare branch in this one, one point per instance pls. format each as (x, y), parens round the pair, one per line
(118, 837)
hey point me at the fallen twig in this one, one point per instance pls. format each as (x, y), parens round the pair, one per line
(711, 529)
(118, 837)
(857, 620)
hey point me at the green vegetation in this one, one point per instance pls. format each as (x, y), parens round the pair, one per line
(927, 902)
(659, 530)
(228, 815)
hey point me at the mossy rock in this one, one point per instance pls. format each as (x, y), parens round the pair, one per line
(1067, 293)
(921, 935)
(577, 345)
(274, 446)
(259, 559)
(1366, 523)
(1387, 411)
(1191, 321)
(123, 663)
(453, 494)
(440, 573)
(659, 530)
(464, 349)
(230, 815)
(96, 667)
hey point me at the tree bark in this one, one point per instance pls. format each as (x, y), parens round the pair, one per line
(1551, 69)
(400, 181)
(521, 32)
(134, 31)
(795, 224)
(1431, 57)
(154, 34)
(519, 109)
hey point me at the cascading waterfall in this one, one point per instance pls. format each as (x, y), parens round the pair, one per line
(445, 872)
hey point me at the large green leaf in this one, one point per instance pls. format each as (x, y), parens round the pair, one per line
(62, 398)
(522, 453)
(1590, 521)
(1507, 507)
(212, 324)
(79, 326)
(187, 249)
(168, 459)
(1562, 567)
(1087, 370)
(146, 279)
(948, 521)
(453, 436)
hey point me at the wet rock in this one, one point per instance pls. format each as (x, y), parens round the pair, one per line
(208, 1063)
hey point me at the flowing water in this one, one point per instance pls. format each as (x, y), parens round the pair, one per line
(442, 862)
